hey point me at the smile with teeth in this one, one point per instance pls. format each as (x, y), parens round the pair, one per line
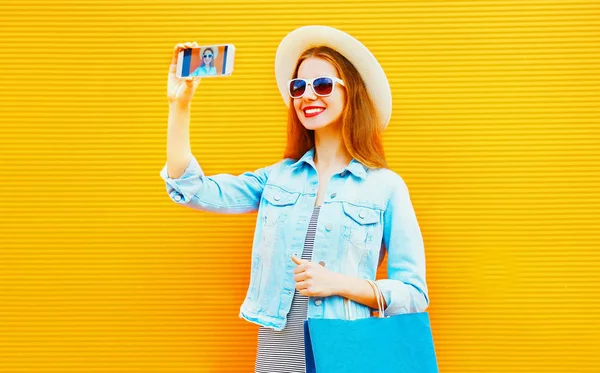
(312, 111)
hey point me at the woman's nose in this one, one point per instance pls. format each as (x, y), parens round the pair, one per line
(309, 93)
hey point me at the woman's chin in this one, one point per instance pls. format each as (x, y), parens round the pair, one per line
(316, 124)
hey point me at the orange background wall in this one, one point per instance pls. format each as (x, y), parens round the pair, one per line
(495, 128)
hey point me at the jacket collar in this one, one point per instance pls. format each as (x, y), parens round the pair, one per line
(355, 167)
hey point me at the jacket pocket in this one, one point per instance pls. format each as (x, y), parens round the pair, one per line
(277, 196)
(359, 223)
(277, 205)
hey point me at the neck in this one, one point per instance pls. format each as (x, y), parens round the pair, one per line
(329, 149)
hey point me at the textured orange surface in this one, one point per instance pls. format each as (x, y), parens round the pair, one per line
(495, 129)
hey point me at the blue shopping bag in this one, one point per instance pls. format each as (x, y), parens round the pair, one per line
(401, 343)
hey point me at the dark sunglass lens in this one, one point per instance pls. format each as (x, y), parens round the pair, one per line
(297, 88)
(323, 86)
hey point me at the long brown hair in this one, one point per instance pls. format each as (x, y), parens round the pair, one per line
(361, 133)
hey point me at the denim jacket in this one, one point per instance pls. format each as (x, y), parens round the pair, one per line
(365, 212)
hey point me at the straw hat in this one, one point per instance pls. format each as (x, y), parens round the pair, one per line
(299, 40)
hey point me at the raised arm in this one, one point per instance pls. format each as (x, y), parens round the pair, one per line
(179, 94)
(185, 181)
(222, 193)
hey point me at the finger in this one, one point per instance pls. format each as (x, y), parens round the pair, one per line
(301, 268)
(299, 260)
(306, 292)
(178, 48)
(187, 44)
(301, 276)
(302, 285)
(192, 82)
(196, 82)
(173, 66)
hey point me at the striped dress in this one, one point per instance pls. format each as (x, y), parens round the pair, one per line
(283, 351)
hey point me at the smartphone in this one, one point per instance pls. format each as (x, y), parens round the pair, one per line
(208, 61)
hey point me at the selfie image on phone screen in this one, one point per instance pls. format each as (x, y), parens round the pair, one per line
(206, 61)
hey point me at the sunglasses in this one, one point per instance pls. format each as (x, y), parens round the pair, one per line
(207, 56)
(321, 86)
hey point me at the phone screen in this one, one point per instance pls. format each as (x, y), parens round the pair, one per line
(205, 61)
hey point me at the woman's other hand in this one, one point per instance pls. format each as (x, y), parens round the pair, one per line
(314, 280)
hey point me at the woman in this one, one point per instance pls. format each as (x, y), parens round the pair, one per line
(207, 66)
(328, 211)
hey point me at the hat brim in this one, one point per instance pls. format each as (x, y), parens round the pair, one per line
(296, 42)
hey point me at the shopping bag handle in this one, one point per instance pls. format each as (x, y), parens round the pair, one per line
(379, 296)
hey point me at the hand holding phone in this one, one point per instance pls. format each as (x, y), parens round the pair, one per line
(180, 90)
(186, 70)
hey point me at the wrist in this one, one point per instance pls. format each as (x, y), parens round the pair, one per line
(342, 285)
(179, 106)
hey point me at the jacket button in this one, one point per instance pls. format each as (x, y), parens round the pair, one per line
(318, 302)
(328, 226)
(277, 197)
(322, 263)
(177, 197)
(361, 214)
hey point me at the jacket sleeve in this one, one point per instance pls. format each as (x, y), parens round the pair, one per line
(220, 193)
(405, 289)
